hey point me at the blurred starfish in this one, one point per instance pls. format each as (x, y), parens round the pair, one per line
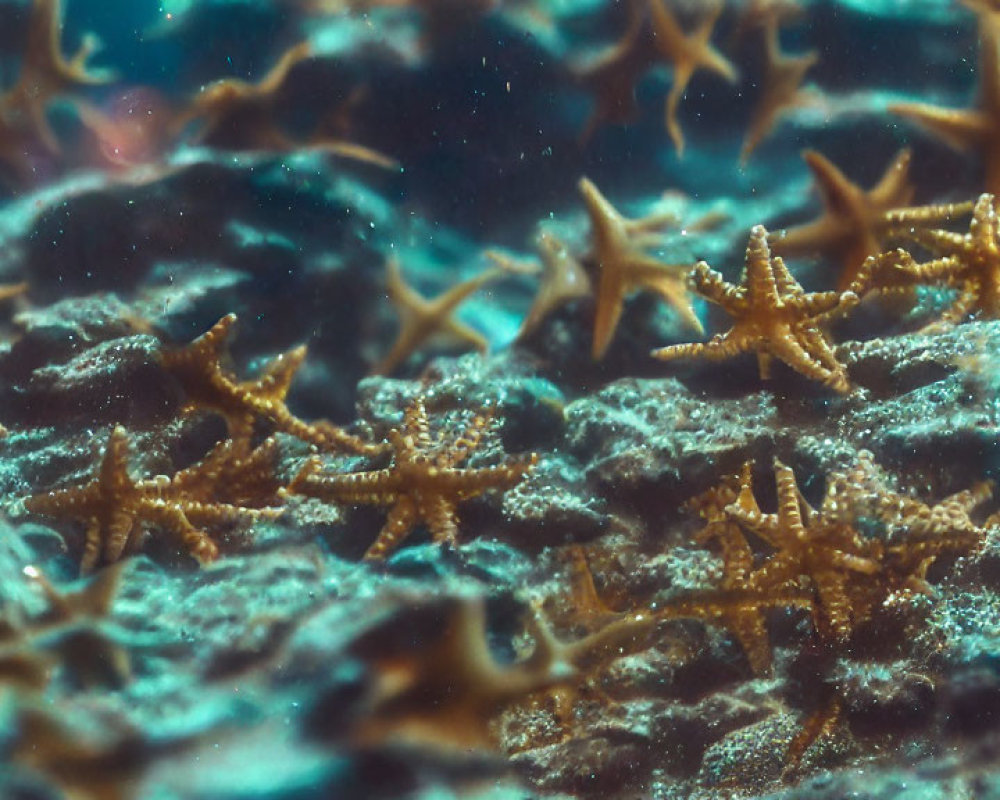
(623, 267)
(772, 316)
(854, 220)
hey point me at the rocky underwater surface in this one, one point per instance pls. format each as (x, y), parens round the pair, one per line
(500, 398)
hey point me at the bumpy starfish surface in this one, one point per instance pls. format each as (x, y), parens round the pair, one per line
(424, 483)
(116, 507)
(425, 319)
(969, 263)
(772, 316)
(198, 369)
(624, 267)
(854, 220)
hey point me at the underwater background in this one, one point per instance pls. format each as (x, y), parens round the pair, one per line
(499, 398)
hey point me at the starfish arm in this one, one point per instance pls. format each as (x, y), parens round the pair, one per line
(91, 546)
(983, 229)
(818, 308)
(923, 215)
(466, 483)
(833, 617)
(762, 272)
(808, 238)
(379, 487)
(608, 311)
(71, 502)
(277, 75)
(959, 129)
(718, 348)
(789, 510)
(894, 189)
(466, 443)
(816, 344)
(441, 518)
(116, 534)
(791, 350)
(716, 289)
(173, 519)
(402, 517)
(673, 290)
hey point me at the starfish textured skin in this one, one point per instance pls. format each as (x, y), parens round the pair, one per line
(854, 220)
(114, 506)
(423, 484)
(969, 263)
(423, 319)
(623, 267)
(974, 130)
(197, 367)
(772, 316)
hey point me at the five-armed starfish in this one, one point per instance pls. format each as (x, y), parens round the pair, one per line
(772, 316)
(423, 484)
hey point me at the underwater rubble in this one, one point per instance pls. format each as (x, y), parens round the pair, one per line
(499, 398)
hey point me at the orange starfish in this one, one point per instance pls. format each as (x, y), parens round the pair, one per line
(971, 130)
(114, 506)
(781, 88)
(197, 367)
(424, 483)
(623, 267)
(423, 319)
(772, 316)
(853, 221)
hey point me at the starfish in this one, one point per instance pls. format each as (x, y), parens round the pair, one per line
(853, 221)
(623, 267)
(652, 36)
(423, 319)
(115, 508)
(974, 130)
(198, 369)
(424, 483)
(969, 263)
(772, 316)
(45, 73)
(563, 279)
(781, 88)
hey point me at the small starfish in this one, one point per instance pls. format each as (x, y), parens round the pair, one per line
(772, 316)
(969, 263)
(853, 221)
(781, 88)
(563, 279)
(971, 130)
(624, 268)
(652, 36)
(424, 483)
(115, 506)
(423, 319)
(197, 367)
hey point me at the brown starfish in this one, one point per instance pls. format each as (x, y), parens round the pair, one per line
(423, 484)
(623, 266)
(115, 508)
(424, 319)
(772, 316)
(854, 220)
(975, 130)
(197, 367)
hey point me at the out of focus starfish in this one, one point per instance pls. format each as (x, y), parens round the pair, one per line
(207, 386)
(974, 130)
(781, 88)
(772, 316)
(563, 279)
(116, 507)
(854, 220)
(652, 36)
(623, 266)
(423, 319)
(424, 483)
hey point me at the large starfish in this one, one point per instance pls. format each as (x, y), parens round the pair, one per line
(424, 483)
(116, 507)
(197, 367)
(772, 316)
(975, 130)
(854, 220)
(624, 267)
